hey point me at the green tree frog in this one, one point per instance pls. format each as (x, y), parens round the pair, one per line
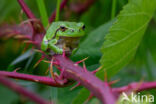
(61, 36)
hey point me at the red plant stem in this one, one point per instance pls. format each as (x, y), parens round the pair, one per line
(40, 79)
(49, 81)
(32, 96)
(98, 88)
(135, 87)
(53, 15)
(87, 79)
(27, 11)
(30, 15)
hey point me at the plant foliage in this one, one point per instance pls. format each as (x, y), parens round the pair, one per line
(121, 43)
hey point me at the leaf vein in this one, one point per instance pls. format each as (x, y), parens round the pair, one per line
(127, 37)
(118, 62)
(133, 14)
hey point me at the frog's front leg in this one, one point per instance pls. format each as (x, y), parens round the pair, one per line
(44, 45)
(53, 47)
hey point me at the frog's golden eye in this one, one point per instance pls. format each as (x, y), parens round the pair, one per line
(62, 28)
(83, 27)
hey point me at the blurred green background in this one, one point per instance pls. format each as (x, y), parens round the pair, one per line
(13, 54)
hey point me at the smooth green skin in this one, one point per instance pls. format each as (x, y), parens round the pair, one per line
(73, 29)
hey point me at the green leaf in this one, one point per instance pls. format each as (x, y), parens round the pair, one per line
(82, 96)
(7, 96)
(26, 55)
(43, 12)
(90, 47)
(125, 35)
(8, 9)
(151, 41)
(22, 57)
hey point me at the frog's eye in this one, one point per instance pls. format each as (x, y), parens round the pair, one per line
(83, 27)
(62, 28)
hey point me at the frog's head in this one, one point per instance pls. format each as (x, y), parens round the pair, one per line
(71, 29)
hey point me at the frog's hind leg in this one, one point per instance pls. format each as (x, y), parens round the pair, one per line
(44, 45)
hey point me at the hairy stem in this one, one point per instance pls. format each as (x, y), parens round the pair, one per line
(135, 87)
(98, 88)
(40, 79)
(27, 11)
(37, 26)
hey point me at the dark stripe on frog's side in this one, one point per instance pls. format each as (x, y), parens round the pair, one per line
(56, 33)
